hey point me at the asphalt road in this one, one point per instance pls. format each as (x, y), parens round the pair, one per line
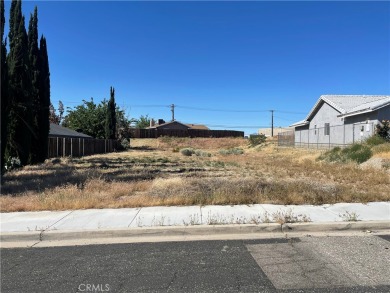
(308, 264)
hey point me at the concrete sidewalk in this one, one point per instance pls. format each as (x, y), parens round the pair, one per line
(196, 220)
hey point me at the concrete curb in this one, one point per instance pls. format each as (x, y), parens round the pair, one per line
(21, 236)
(204, 230)
(336, 226)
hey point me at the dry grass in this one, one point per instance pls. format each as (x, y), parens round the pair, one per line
(153, 173)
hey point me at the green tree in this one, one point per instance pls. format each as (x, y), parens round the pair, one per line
(44, 99)
(88, 118)
(53, 116)
(60, 112)
(20, 103)
(4, 88)
(33, 54)
(143, 122)
(123, 124)
(110, 122)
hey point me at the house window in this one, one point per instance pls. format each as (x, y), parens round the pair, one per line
(327, 129)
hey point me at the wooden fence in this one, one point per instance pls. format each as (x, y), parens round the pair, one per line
(154, 133)
(78, 147)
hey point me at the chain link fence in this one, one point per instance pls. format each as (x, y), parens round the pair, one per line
(327, 136)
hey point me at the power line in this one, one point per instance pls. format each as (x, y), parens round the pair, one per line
(220, 110)
(284, 119)
(200, 109)
(236, 126)
(288, 112)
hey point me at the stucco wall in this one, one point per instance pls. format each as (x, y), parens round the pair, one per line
(326, 114)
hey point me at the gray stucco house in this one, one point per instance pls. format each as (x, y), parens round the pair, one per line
(341, 120)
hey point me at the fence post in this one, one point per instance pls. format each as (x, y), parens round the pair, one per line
(71, 147)
(83, 146)
(300, 138)
(344, 134)
(308, 138)
(64, 148)
(329, 139)
(79, 147)
(57, 148)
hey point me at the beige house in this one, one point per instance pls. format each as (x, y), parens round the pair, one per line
(267, 131)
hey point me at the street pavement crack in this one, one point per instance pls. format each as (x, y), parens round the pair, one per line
(172, 280)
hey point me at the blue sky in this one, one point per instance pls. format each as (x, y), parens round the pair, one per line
(235, 57)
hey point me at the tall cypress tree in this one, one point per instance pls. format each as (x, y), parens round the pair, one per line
(110, 123)
(4, 87)
(44, 99)
(33, 54)
(19, 123)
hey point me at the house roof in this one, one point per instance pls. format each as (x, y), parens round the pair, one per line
(57, 130)
(192, 126)
(198, 126)
(166, 123)
(300, 123)
(348, 105)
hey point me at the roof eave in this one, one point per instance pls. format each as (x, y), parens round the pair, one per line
(363, 111)
(318, 104)
(355, 113)
(298, 124)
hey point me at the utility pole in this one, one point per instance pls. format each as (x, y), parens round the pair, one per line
(173, 112)
(272, 123)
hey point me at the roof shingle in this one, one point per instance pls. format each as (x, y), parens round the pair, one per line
(57, 130)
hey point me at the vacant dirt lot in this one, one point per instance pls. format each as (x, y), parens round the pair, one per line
(155, 172)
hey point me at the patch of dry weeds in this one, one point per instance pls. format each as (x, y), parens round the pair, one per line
(153, 175)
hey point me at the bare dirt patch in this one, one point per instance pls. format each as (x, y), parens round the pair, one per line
(154, 172)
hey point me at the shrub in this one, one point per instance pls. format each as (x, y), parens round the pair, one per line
(375, 140)
(383, 129)
(125, 143)
(358, 153)
(187, 152)
(255, 140)
(12, 163)
(201, 153)
(332, 156)
(215, 164)
(232, 151)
